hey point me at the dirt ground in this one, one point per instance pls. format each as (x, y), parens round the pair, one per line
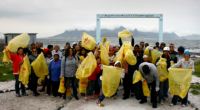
(8, 101)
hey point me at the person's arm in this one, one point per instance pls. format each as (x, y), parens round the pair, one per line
(156, 78)
(120, 42)
(62, 67)
(177, 65)
(132, 41)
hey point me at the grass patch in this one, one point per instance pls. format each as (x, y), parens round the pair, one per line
(195, 89)
(5, 70)
(197, 68)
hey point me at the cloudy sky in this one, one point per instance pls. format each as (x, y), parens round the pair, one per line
(51, 17)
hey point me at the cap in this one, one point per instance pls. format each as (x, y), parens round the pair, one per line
(186, 52)
(166, 49)
(145, 56)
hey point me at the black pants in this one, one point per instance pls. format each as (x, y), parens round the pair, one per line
(137, 89)
(127, 84)
(152, 87)
(90, 87)
(183, 101)
(55, 86)
(17, 84)
(33, 82)
(70, 83)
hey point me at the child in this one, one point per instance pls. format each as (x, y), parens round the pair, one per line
(102, 97)
(92, 80)
(54, 72)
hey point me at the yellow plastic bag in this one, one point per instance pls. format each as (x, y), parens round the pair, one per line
(88, 42)
(83, 85)
(62, 86)
(5, 57)
(25, 71)
(40, 67)
(137, 77)
(162, 69)
(124, 34)
(110, 80)
(179, 81)
(87, 66)
(145, 88)
(104, 55)
(18, 41)
(155, 55)
(130, 57)
(120, 55)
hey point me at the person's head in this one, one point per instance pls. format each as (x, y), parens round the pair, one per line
(145, 58)
(171, 47)
(68, 52)
(162, 45)
(187, 55)
(111, 50)
(56, 47)
(50, 47)
(146, 44)
(67, 45)
(56, 57)
(142, 44)
(33, 46)
(157, 44)
(98, 60)
(20, 51)
(146, 69)
(166, 50)
(181, 50)
(136, 48)
(118, 64)
(49, 54)
(34, 52)
(77, 48)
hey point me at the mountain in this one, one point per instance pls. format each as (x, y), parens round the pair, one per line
(191, 37)
(76, 34)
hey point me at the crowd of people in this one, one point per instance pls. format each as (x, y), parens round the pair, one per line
(64, 63)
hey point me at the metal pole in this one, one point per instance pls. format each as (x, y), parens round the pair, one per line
(161, 29)
(98, 29)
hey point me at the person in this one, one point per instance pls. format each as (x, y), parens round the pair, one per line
(164, 85)
(102, 97)
(173, 53)
(33, 78)
(92, 81)
(57, 51)
(186, 63)
(180, 54)
(46, 82)
(54, 73)
(68, 69)
(137, 87)
(17, 60)
(150, 74)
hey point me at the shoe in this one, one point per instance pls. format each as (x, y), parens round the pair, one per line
(41, 90)
(143, 101)
(171, 104)
(161, 102)
(125, 97)
(100, 104)
(76, 97)
(154, 106)
(183, 105)
(18, 95)
(24, 94)
(36, 94)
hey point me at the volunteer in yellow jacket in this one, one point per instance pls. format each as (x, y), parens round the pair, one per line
(150, 74)
(185, 63)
